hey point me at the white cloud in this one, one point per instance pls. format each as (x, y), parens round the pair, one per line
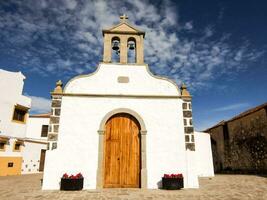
(208, 31)
(40, 104)
(56, 36)
(232, 107)
(188, 26)
(70, 4)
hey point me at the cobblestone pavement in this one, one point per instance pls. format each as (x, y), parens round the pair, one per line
(228, 187)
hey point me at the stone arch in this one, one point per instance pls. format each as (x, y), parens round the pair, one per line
(122, 110)
(101, 133)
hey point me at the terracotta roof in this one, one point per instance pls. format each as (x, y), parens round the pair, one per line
(42, 115)
(243, 114)
(4, 137)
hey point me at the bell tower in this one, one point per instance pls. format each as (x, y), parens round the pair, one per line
(123, 43)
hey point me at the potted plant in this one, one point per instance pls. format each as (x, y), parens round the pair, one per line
(72, 182)
(172, 181)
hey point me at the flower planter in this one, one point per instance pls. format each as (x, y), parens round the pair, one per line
(172, 183)
(71, 184)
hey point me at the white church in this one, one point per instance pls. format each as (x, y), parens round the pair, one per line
(122, 126)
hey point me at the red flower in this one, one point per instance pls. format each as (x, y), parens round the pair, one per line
(173, 175)
(77, 176)
(65, 175)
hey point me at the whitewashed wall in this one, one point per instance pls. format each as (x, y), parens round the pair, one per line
(81, 116)
(105, 81)
(204, 155)
(34, 127)
(31, 157)
(11, 85)
(9, 149)
(33, 147)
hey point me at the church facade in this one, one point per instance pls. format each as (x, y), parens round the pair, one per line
(122, 126)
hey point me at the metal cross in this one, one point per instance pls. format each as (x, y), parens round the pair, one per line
(124, 17)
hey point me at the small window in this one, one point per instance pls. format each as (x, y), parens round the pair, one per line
(2, 146)
(44, 131)
(10, 164)
(20, 114)
(17, 146)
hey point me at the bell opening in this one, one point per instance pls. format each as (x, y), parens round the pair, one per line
(131, 50)
(115, 49)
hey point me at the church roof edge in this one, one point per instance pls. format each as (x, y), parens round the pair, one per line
(103, 63)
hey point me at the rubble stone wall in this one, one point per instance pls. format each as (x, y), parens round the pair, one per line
(240, 145)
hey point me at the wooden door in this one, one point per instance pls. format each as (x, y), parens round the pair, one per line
(42, 160)
(122, 152)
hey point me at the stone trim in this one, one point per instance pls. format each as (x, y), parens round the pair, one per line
(54, 121)
(123, 32)
(188, 127)
(123, 79)
(122, 110)
(35, 141)
(121, 96)
(101, 140)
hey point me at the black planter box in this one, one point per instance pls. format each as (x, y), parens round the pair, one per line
(172, 183)
(71, 184)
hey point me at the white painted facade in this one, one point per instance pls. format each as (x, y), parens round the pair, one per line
(34, 143)
(155, 100)
(27, 132)
(204, 155)
(9, 152)
(34, 126)
(11, 85)
(31, 157)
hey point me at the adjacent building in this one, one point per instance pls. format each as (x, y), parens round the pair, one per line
(35, 143)
(240, 144)
(21, 144)
(13, 121)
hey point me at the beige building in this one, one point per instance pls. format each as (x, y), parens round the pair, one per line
(240, 144)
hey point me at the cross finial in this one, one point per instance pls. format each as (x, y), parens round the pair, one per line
(58, 88)
(124, 17)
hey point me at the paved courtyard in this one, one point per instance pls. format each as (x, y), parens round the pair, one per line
(220, 187)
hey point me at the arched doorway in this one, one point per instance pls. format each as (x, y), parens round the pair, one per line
(122, 152)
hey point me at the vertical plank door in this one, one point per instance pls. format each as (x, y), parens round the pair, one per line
(122, 152)
(42, 160)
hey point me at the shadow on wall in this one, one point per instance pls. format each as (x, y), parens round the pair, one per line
(159, 184)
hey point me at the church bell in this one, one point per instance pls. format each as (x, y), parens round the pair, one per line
(131, 46)
(115, 45)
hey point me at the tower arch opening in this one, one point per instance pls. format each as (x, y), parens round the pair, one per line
(131, 50)
(115, 49)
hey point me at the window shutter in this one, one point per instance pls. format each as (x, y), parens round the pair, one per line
(44, 131)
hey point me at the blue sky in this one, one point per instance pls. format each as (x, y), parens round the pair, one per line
(218, 48)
